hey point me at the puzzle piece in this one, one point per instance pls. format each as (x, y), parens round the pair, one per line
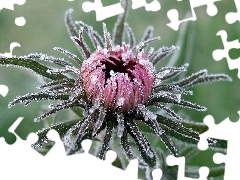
(115, 9)
(153, 6)
(229, 131)
(232, 17)
(57, 152)
(173, 14)
(12, 46)
(219, 54)
(9, 4)
(3, 90)
(13, 156)
(180, 162)
(102, 12)
(56, 160)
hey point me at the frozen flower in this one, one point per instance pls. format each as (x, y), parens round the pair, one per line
(117, 77)
(116, 85)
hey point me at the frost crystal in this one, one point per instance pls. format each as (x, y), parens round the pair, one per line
(148, 115)
(120, 101)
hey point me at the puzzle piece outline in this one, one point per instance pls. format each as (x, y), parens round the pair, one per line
(173, 14)
(3, 90)
(216, 153)
(232, 17)
(104, 12)
(180, 162)
(22, 151)
(217, 131)
(220, 54)
(9, 4)
(11, 47)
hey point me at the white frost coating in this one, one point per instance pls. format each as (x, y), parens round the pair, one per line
(120, 120)
(116, 48)
(148, 115)
(105, 52)
(103, 66)
(72, 69)
(150, 51)
(143, 62)
(120, 101)
(124, 57)
(162, 73)
(159, 76)
(139, 55)
(136, 81)
(95, 106)
(178, 96)
(94, 79)
(42, 57)
(112, 73)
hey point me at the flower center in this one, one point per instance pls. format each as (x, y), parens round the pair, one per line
(117, 78)
(115, 64)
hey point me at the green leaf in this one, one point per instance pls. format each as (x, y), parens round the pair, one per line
(29, 64)
(211, 78)
(26, 99)
(106, 141)
(184, 131)
(142, 143)
(71, 27)
(185, 41)
(61, 128)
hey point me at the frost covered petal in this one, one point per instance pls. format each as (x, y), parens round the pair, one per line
(118, 78)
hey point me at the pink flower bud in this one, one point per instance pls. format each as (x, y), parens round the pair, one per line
(117, 78)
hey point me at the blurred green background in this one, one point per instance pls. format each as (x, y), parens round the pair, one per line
(45, 29)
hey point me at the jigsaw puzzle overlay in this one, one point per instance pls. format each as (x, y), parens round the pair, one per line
(224, 53)
(12, 157)
(115, 9)
(229, 131)
(21, 151)
(174, 16)
(9, 4)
